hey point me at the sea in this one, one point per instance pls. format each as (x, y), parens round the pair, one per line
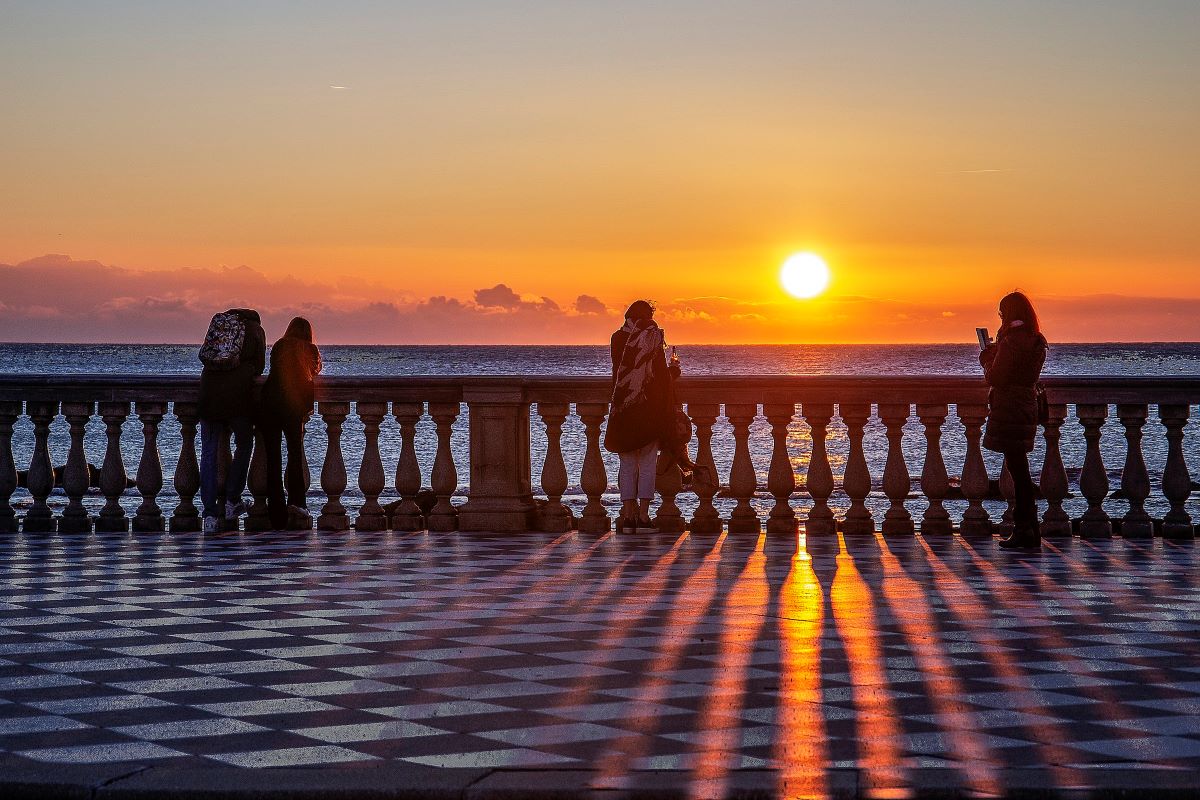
(1141, 359)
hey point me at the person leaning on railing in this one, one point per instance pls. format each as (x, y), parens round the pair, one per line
(641, 411)
(1012, 366)
(286, 405)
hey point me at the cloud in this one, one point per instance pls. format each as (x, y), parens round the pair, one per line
(586, 304)
(499, 296)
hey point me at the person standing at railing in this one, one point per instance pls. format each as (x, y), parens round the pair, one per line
(286, 405)
(1012, 366)
(234, 355)
(641, 411)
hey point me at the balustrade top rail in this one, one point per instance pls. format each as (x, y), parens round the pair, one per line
(595, 389)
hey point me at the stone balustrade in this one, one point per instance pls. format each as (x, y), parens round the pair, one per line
(497, 410)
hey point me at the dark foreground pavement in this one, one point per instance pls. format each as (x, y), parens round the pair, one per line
(488, 666)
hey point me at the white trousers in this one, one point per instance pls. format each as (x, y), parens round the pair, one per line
(636, 476)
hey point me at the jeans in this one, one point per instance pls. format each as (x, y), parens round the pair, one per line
(276, 430)
(212, 432)
(1024, 505)
(638, 470)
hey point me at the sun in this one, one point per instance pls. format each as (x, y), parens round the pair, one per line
(804, 275)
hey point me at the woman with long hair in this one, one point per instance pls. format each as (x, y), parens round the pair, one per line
(1012, 366)
(287, 403)
(641, 411)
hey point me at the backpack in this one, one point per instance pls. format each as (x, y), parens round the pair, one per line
(222, 348)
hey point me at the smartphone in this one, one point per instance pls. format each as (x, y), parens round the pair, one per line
(982, 335)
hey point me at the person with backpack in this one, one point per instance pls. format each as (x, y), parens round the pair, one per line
(286, 405)
(234, 355)
(642, 414)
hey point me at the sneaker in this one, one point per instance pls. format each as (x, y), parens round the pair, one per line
(645, 526)
(210, 525)
(298, 511)
(233, 511)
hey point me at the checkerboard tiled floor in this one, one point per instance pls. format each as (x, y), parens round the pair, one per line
(613, 653)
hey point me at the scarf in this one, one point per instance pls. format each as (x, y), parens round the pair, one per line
(637, 365)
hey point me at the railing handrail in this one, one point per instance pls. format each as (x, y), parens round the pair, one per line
(1096, 389)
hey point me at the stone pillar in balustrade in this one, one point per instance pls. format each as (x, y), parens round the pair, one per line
(857, 479)
(593, 479)
(1135, 480)
(896, 483)
(113, 479)
(781, 478)
(819, 480)
(934, 482)
(975, 520)
(187, 472)
(706, 519)
(75, 480)
(444, 479)
(669, 483)
(1053, 481)
(370, 472)
(1177, 482)
(1093, 480)
(501, 497)
(258, 481)
(333, 471)
(149, 516)
(9, 411)
(407, 514)
(554, 517)
(743, 483)
(40, 518)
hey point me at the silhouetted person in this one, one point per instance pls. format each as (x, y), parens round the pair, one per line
(641, 411)
(1012, 366)
(286, 405)
(234, 355)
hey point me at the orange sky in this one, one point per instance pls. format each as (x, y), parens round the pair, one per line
(938, 154)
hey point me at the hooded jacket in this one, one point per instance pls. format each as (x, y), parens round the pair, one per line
(225, 394)
(1011, 368)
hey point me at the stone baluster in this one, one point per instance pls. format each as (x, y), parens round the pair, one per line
(934, 481)
(554, 517)
(742, 480)
(9, 411)
(76, 478)
(113, 480)
(975, 521)
(1053, 480)
(896, 483)
(40, 518)
(444, 479)
(669, 483)
(706, 519)
(1093, 479)
(781, 478)
(407, 515)
(1135, 480)
(187, 472)
(593, 479)
(149, 516)
(258, 480)
(1176, 483)
(333, 471)
(819, 480)
(370, 472)
(857, 479)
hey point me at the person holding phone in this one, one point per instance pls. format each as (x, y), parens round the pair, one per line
(1011, 367)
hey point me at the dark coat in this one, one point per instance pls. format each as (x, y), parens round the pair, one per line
(1011, 367)
(225, 394)
(289, 391)
(648, 421)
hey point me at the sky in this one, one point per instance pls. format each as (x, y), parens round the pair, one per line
(518, 171)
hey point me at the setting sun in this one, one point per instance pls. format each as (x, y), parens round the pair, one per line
(804, 275)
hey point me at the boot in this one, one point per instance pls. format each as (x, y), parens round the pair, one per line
(1025, 536)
